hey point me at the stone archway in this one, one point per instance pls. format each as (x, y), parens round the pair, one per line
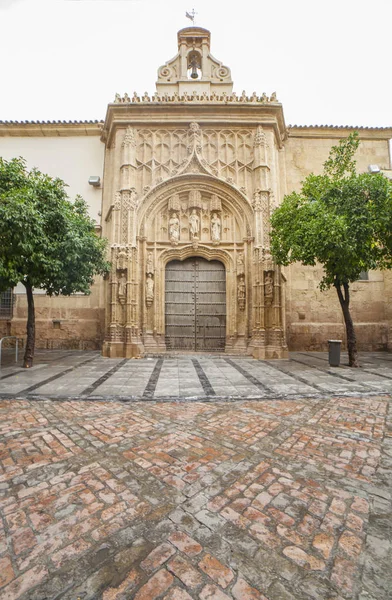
(190, 215)
(195, 305)
(220, 232)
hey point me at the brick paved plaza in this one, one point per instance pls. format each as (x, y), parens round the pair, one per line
(273, 483)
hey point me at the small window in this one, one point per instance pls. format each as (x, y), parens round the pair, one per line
(363, 276)
(6, 304)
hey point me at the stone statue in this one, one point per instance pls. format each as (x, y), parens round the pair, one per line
(269, 285)
(149, 290)
(194, 224)
(122, 289)
(150, 264)
(174, 228)
(241, 293)
(215, 228)
(122, 260)
(240, 264)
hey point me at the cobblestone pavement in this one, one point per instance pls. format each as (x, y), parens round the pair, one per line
(276, 499)
(72, 374)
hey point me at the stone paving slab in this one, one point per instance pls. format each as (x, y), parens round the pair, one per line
(261, 499)
(73, 374)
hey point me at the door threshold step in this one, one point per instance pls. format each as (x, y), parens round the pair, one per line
(190, 353)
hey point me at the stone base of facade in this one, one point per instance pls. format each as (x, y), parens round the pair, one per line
(122, 350)
(269, 352)
(313, 337)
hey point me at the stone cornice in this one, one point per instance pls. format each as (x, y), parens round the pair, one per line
(338, 131)
(50, 128)
(219, 114)
(196, 97)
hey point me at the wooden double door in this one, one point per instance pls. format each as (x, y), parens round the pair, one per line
(195, 305)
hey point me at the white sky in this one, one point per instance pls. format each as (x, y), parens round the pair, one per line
(329, 62)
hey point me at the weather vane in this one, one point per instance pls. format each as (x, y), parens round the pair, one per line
(191, 15)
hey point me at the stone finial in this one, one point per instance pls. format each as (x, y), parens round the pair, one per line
(129, 137)
(259, 136)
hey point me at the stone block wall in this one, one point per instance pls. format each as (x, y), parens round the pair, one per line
(75, 322)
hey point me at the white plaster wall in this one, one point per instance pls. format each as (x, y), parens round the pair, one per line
(73, 159)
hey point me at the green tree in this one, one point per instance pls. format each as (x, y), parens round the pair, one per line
(341, 219)
(46, 241)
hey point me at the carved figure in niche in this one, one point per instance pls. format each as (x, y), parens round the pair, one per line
(215, 228)
(150, 264)
(194, 224)
(122, 261)
(122, 289)
(240, 264)
(174, 229)
(149, 290)
(269, 285)
(241, 293)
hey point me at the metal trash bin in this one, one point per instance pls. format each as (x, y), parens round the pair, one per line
(334, 352)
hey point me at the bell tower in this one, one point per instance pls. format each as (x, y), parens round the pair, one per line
(194, 69)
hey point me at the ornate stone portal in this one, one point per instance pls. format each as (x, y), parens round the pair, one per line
(187, 181)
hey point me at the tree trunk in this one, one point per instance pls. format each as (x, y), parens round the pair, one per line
(30, 342)
(350, 332)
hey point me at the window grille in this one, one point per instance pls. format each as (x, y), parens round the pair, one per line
(363, 276)
(6, 304)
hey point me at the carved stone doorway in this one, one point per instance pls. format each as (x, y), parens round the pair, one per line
(195, 305)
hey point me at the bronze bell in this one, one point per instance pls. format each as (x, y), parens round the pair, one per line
(194, 65)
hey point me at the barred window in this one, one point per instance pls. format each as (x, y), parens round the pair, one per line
(6, 304)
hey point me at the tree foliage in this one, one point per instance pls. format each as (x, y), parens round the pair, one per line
(341, 219)
(46, 241)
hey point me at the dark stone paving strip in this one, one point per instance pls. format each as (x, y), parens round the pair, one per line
(361, 368)
(54, 377)
(205, 382)
(148, 393)
(374, 372)
(12, 374)
(328, 372)
(295, 376)
(91, 388)
(250, 377)
(352, 379)
(22, 370)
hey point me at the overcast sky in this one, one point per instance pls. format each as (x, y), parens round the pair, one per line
(329, 62)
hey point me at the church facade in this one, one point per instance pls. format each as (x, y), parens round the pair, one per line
(190, 177)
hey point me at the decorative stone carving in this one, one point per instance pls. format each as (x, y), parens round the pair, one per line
(174, 203)
(122, 259)
(129, 137)
(204, 97)
(149, 290)
(215, 228)
(195, 137)
(240, 264)
(195, 199)
(122, 288)
(129, 199)
(150, 264)
(269, 287)
(241, 293)
(117, 201)
(216, 204)
(196, 150)
(194, 224)
(260, 139)
(174, 229)
(257, 206)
